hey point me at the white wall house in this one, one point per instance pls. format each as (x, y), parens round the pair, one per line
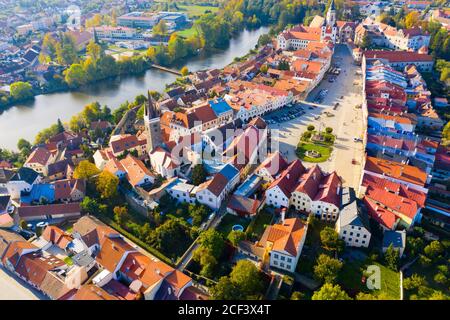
(353, 226)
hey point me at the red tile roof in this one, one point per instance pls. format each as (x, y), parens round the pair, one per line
(288, 179)
(396, 170)
(285, 236)
(50, 209)
(398, 56)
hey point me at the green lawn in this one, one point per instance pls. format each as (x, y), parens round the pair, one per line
(351, 275)
(228, 221)
(302, 148)
(258, 224)
(195, 10)
(188, 32)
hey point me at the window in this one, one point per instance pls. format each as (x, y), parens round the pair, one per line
(275, 256)
(275, 263)
(365, 236)
(282, 258)
(351, 233)
(282, 265)
(357, 235)
(289, 260)
(349, 239)
(345, 232)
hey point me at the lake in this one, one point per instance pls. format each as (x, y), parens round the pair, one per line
(26, 120)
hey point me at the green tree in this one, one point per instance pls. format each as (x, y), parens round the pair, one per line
(107, 184)
(90, 205)
(60, 126)
(414, 282)
(327, 268)
(310, 127)
(120, 214)
(212, 240)
(330, 240)
(207, 261)
(160, 29)
(21, 90)
(225, 289)
(199, 174)
(75, 76)
(247, 278)
(85, 170)
(297, 295)
(235, 237)
(330, 292)
(434, 250)
(391, 256)
(23, 145)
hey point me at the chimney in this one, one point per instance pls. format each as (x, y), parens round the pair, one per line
(283, 215)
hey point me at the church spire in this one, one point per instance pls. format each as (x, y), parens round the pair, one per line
(151, 109)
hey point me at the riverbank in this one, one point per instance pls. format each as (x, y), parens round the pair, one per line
(25, 120)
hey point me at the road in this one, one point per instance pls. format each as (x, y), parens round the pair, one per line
(346, 122)
(12, 288)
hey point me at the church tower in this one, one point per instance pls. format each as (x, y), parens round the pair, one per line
(331, 14)
(152, 124)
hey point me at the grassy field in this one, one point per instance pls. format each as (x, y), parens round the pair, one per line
(302, 148)
(351, 275)
(196, 11)
(188, 32)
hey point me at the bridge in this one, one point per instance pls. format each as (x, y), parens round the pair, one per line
(173, 71)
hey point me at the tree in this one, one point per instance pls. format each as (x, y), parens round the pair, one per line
(391, 256)
(107, 184)
(60, 126)
(414, 245)
(412, 19)
(90, 205)
(434, 250)
(21, 90)
(160, 29)
(85, 170)
(212, 240)
(327, 268)
(414, 282)
(184, 71)
(330, 239)
(199, 174)
(94, 51)
(310, 127)
(328, 130)
(225, 289)
(264, 39)
(75, 76)
(247, 278)
(235, 237)
(120, 215)
(368, 296)
(297, 295)
(330, 292)
(365, 41)
(23, 145)
(207, 261)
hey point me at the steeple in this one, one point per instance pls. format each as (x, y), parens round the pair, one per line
(151, 109)
(152, 123)
(331, 14)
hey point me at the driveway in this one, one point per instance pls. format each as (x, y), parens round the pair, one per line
(346, 121)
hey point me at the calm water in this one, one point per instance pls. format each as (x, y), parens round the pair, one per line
(25, 121)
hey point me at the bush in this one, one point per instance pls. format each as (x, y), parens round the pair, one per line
(328, 130)
(311, 127)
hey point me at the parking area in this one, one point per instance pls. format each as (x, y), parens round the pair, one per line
(338, 108)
